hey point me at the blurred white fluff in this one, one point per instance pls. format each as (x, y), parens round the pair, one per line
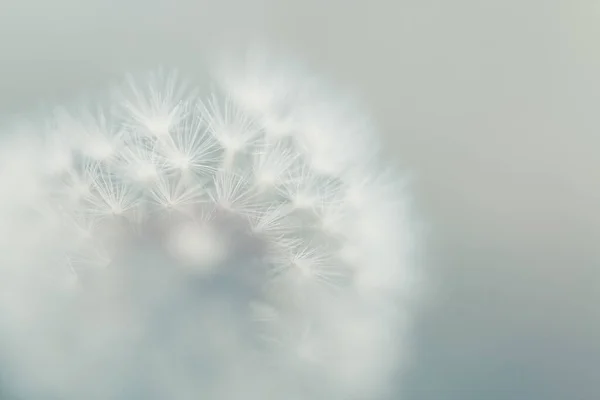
(246, 245)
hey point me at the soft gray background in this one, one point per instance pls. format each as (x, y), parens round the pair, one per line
(492, 104)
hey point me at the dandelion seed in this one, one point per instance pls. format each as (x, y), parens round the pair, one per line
(191, 147)
(156, 105)
(234, 130)
(274, 221)
(307, 190)
(305, 268)
(231, 192)
(140, 160)
(272, 166)
(176, 194)
(111, 196)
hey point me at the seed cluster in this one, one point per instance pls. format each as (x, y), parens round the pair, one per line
(265, 181)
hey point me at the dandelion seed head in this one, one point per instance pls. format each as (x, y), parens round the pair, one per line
(259, 204)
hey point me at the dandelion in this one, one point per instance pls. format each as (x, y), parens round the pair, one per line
(259, 204)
